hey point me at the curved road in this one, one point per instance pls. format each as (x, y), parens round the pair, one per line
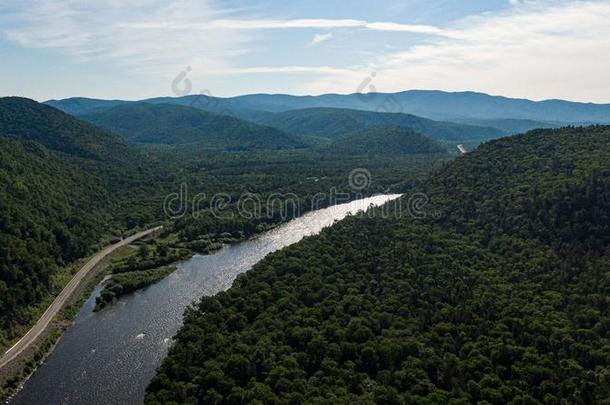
(29, 338)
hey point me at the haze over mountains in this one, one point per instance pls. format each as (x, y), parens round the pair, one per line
(526, 217)
(94, 181)
(436, 105)
(277, 121)
(305, 202)
(337, 123)
(175, 124)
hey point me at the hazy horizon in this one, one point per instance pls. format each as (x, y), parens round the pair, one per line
(311, 95)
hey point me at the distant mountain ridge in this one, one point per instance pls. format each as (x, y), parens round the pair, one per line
(84, 105)
(337, 123)
(433, 104)
(178, 125)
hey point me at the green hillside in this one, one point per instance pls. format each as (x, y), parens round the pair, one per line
(64, 185)
(336, 123)
(386, 141)
(432, 104)
(48, 217)
(62, 201)
(175, 124)
(26, 119)
(496, 291)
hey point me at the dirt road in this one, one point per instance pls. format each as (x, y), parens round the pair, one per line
(46, 318)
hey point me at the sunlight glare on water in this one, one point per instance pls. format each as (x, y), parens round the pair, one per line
(108, 357)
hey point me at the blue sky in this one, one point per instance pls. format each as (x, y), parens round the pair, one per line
(117, 49)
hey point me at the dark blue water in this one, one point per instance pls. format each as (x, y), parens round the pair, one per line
(109, 357)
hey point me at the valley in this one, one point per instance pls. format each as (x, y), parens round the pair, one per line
(434, 296)
(498, 295)
(103, 187)
(229, 202)
(123, 345)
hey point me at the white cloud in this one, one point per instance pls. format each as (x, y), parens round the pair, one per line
(535, 51)
(253, 24)
(250, 24)
(59, 32)
(288, 69)
(284, 24)
(419, 29)
(318, 38)
(108, 31)
(156, 37)
(516, 3)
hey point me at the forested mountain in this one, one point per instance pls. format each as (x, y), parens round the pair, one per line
(26, 119)
(64, 184)
(175, 124)
(444, 105)
(52, 211)
(335, 123)
(386, 141)
(432, 104)
(496, 291)
(66, 187)
(125, 170)
(438, 105)
(217, 105)
(83, 105)
(435, 104)
(181, 124)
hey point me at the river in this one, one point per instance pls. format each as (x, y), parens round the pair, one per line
(109, 357)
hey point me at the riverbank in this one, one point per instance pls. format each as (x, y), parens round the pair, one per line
(14, 374)
(22, 358)
(155, 259)
(110, 356)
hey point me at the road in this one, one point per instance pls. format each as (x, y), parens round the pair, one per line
(41, 325)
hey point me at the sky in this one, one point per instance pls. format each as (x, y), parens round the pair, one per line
(536, 49)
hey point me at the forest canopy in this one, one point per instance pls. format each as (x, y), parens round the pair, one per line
(68, 187)
(499, 294)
